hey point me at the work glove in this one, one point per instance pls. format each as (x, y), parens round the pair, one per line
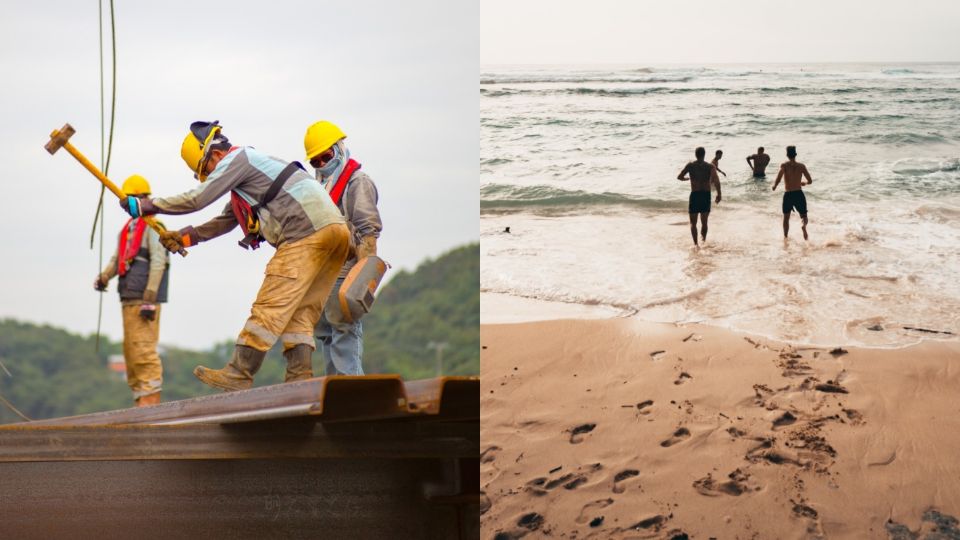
(149, 296)
(367, 247)
(172, 240)
(137, 207)
(100, 284)
(148, 312)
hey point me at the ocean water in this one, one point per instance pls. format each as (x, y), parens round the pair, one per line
(581, 163)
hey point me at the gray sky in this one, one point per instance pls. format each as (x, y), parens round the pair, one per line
(400, 78)
(717, 31)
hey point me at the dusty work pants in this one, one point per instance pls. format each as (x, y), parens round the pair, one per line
(144, 371)
(298, 280)
(341, 342)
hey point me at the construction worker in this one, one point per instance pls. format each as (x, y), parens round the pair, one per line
(143, 266)
(355, 194)
(271, 200)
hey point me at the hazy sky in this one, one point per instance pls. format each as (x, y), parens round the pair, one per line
(400, 78)
(717, 31)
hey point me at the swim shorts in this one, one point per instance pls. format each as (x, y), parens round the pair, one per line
(759, 175)
(699, 202)
(795, 199)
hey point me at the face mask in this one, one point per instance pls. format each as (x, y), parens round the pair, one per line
(324, 173)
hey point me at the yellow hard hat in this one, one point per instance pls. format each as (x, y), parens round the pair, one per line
(196, 145)
(320, 137)
(136, 185)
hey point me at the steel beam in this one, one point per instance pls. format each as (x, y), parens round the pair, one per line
(214, 499)
(332, 399)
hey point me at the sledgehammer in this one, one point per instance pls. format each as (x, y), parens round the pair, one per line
(60, 138)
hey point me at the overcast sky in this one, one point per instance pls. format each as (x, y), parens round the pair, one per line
(400, 78)
(717, 31)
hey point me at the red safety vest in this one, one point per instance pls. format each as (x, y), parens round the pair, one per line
(127, 250)
(337, 192)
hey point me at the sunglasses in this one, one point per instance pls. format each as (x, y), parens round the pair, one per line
(322, 159)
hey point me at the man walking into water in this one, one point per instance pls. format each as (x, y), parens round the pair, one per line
(758, 162)
(716, 162)
(702, 174)
(792, 172)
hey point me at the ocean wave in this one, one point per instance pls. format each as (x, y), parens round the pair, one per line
(667, 90)
(495, 161)
(581, 80)
(899, 71)
(899, 139)
(909, 167)
(501, 196)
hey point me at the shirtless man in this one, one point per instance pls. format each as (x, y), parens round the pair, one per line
(716, 161)
(758, 162)
(702, 174)
(792, 173)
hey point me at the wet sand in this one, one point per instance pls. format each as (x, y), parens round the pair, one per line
(623, 429)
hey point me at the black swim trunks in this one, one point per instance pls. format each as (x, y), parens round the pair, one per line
(759, 175)
(795, 199)
(699, 202)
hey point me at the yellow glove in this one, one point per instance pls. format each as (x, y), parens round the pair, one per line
(172, 240)
(367, 247)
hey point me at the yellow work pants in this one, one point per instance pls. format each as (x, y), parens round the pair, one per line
(298, 280)
(144, 371)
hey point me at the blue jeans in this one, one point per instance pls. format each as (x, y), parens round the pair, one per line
(340, 342)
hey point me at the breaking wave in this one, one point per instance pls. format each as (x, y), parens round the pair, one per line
(501, 196)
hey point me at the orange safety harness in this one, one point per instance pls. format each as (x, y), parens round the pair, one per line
(246, 214)
(126, 251)
(338, 189)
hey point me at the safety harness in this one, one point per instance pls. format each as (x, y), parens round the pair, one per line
(127, 250)
(340, 187)
(247, 215)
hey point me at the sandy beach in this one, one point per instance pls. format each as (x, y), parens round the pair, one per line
(618, 428)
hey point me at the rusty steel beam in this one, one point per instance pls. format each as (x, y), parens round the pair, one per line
(212, 499)
(279, 439)
(449, 397)
(330, 399)
(333, 398)
(335, 457)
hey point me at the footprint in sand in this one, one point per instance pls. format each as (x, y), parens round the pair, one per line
(591, 507)
(679, 435)
(541, 485)
(854, 416)
(683, 378)
(736, 432)
(621, 478)
(803, 511)
(644, 406)
(784, 419)
(736, 486)
(576, 434)
(655, 523)
(831, 387)
(657, 355)
(490, 454)
(531, 521)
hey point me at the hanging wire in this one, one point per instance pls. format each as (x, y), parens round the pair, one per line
(14, 409)
(105, 164)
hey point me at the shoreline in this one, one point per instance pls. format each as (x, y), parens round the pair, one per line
(619, 428)
(502, 308)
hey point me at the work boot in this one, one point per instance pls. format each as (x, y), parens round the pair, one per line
(149, 399)
(299, 364)
(237, 374)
